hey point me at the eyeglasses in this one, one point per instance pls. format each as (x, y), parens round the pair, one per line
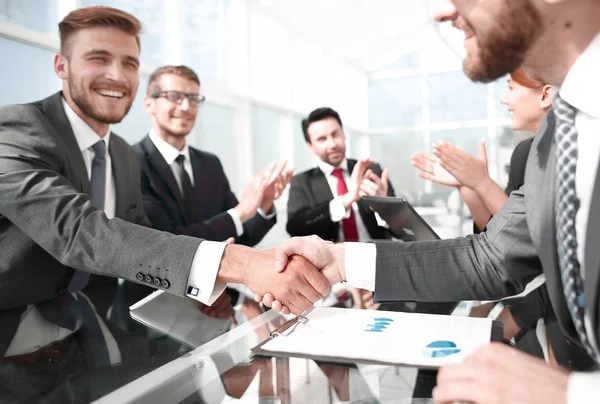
(177, 97)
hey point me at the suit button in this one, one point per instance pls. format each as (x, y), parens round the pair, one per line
(166, 284)
(148, 278)
(157, 281)
(139, 276)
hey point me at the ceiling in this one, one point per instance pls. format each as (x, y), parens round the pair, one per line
(371, 33)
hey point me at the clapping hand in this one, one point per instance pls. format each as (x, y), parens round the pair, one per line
(431, 169)
(468, 170)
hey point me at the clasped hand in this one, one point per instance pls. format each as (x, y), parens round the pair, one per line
(306, 268)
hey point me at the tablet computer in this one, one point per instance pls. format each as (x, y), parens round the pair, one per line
(403, 220)
(407, 225)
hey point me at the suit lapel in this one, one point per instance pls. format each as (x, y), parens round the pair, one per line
(119, 172)
(54, 111)
(164, 171)
(592, 257)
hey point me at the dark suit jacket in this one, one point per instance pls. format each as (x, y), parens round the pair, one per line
(502, 260)
(164, 204)
(308, 206)
(48, 225)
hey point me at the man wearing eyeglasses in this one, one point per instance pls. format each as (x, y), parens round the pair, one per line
(185, 190)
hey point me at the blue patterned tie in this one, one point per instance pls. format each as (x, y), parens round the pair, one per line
(566, 205)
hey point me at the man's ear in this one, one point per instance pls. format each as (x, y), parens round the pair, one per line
(546, 100)
(148, 104)
(61, 66)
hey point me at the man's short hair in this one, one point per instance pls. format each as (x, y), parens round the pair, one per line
(182, 71)
(97, 16)
(318, 115)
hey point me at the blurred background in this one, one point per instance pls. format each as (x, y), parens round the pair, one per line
(393, 75)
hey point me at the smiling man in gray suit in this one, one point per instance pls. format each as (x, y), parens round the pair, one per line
(552, 224)
(66, 213)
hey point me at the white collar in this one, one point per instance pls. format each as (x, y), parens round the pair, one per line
(168, 152)
(86, 137)
(328, 168)
(582, 83)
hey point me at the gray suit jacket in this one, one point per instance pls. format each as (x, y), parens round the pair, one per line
(48, 225)
(502, 260)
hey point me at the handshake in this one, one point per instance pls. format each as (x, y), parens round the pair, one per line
(290, 277)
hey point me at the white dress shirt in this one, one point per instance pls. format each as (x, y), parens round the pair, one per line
(34, 332)
(579, 89)
(170, 153)
(201, 281)
(337, 210)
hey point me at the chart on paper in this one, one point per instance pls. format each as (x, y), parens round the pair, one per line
(389, 337)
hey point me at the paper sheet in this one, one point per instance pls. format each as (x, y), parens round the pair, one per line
(382, 336)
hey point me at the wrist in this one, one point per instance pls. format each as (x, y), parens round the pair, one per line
(233, 267)
(267, 206)
(484, 186)
(339, 259)
(348, 199)
(244, 213)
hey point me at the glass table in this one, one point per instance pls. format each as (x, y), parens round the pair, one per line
(148, 366)
(224, 371)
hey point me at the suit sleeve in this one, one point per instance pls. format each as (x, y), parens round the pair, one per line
(304, 219)
(217, 228)
(487, 266)
(528, 309)
(36, 197)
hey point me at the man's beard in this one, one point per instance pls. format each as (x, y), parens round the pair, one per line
(504, 46)
(83, 103)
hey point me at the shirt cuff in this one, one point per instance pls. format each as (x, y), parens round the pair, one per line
(268, 216)
(360, 265)
(203, 275)
(380, 221)
(337, 210)
(582, 386)
(239, 226)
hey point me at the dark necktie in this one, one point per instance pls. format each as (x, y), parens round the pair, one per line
(66, 309)
(187, 189)
(98, 188)
(566, 205)
(349, 224)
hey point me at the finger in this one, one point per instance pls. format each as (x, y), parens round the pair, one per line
(423, 164)
(268, 298)
(430, 177)
(297, 300)
(482, 150)
(372, 176)
(277, 170)
(365, 190)
(276, 305)
(258, 298)
(296, 309)
(230, 240)
(369, 187)
(384, 176)
(281, 308)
